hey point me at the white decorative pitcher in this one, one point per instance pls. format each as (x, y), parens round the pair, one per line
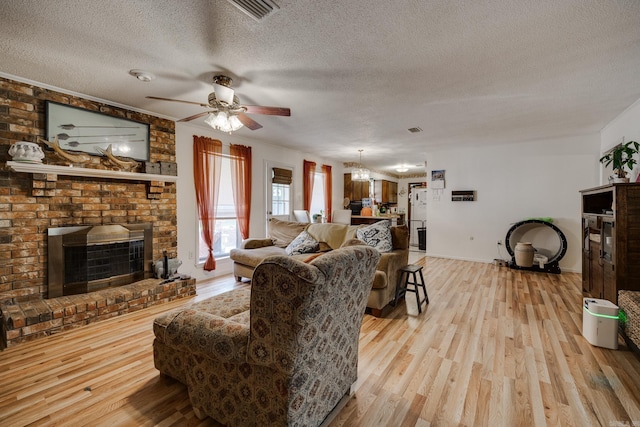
(524, 254)
(23, 151)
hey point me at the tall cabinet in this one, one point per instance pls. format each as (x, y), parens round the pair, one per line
(610, 240)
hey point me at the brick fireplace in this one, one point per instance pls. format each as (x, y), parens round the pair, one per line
(33, 203)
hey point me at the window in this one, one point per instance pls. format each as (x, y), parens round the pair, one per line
(317, 197)
(280, 199)
(226, 235)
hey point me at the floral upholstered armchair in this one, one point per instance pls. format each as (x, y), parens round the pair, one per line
(283, 353)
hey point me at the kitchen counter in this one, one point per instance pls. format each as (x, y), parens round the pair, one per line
(396, 219)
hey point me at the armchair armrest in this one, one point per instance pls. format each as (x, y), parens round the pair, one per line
(208, 335)
(254, 243)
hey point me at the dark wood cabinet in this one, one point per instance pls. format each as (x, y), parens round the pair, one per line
(386, 191)
(610, 240)
(355, 190)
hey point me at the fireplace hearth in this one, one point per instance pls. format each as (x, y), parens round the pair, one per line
(89, 258)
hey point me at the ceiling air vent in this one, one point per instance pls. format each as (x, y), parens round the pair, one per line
(414, 130)
(257, 9)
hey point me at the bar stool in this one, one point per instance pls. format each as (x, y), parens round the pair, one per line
(403, 285)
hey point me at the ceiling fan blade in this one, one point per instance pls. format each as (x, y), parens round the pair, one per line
(249, 122)
(195, 116)
(271, 111)
(178, 100)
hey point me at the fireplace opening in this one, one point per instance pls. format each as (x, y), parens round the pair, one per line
(89, 258)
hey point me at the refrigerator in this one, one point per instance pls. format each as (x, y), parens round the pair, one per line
(418, 220)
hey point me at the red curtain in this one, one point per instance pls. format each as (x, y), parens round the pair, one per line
(328, 193)
(207, 161)
(308, 172)
(241, 183)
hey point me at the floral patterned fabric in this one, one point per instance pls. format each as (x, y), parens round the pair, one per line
(291, 359)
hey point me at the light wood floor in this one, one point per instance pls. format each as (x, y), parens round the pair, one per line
(495, 347)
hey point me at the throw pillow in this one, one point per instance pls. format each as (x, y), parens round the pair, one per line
(303, 244)
(283, 232)
(377, 235)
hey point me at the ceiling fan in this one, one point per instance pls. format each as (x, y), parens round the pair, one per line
(225, 112)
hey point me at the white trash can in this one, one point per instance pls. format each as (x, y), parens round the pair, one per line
(600, 322)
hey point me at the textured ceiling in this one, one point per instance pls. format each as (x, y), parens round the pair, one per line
(356, 74)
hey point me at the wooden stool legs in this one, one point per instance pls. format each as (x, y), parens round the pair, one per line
(403, 285)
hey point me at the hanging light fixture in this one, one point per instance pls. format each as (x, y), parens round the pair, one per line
(225, 116)
(360, 173)
(223, 121)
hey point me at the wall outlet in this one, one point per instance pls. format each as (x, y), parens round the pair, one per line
(190, 254)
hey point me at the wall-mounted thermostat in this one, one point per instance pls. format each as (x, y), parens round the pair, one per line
(463, 196)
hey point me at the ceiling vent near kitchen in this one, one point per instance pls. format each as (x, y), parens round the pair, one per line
(257, 9)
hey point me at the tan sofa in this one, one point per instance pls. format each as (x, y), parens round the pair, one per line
(282, 352)
(331, 237)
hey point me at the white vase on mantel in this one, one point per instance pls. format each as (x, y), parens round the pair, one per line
(24, 151)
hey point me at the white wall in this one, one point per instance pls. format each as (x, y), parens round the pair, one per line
(261, 155)
(512, 183)
(627, 126)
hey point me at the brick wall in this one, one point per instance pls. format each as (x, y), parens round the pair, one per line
(31, 203)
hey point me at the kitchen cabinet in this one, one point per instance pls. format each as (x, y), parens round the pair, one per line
(355, 190)
(386, 191)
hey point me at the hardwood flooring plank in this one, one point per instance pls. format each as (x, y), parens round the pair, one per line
(495, 347)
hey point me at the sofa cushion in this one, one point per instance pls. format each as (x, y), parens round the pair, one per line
(253, 257)
(376, 235)
(283, 232)
(256, 243)
(400, 237)
(332, 234)
(303, 244)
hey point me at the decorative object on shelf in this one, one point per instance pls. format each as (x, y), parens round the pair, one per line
(120, 163)
(71, 159)
(169, 168)
(24, 151)
(85, 130)
(622, 156)
(360, 173)
(152, 167)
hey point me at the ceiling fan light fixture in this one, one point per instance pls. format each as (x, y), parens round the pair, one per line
(224, 122)
(223, 93)
(360, 173)
(235, 122)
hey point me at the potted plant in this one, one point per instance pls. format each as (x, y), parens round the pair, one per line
(622, 156)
